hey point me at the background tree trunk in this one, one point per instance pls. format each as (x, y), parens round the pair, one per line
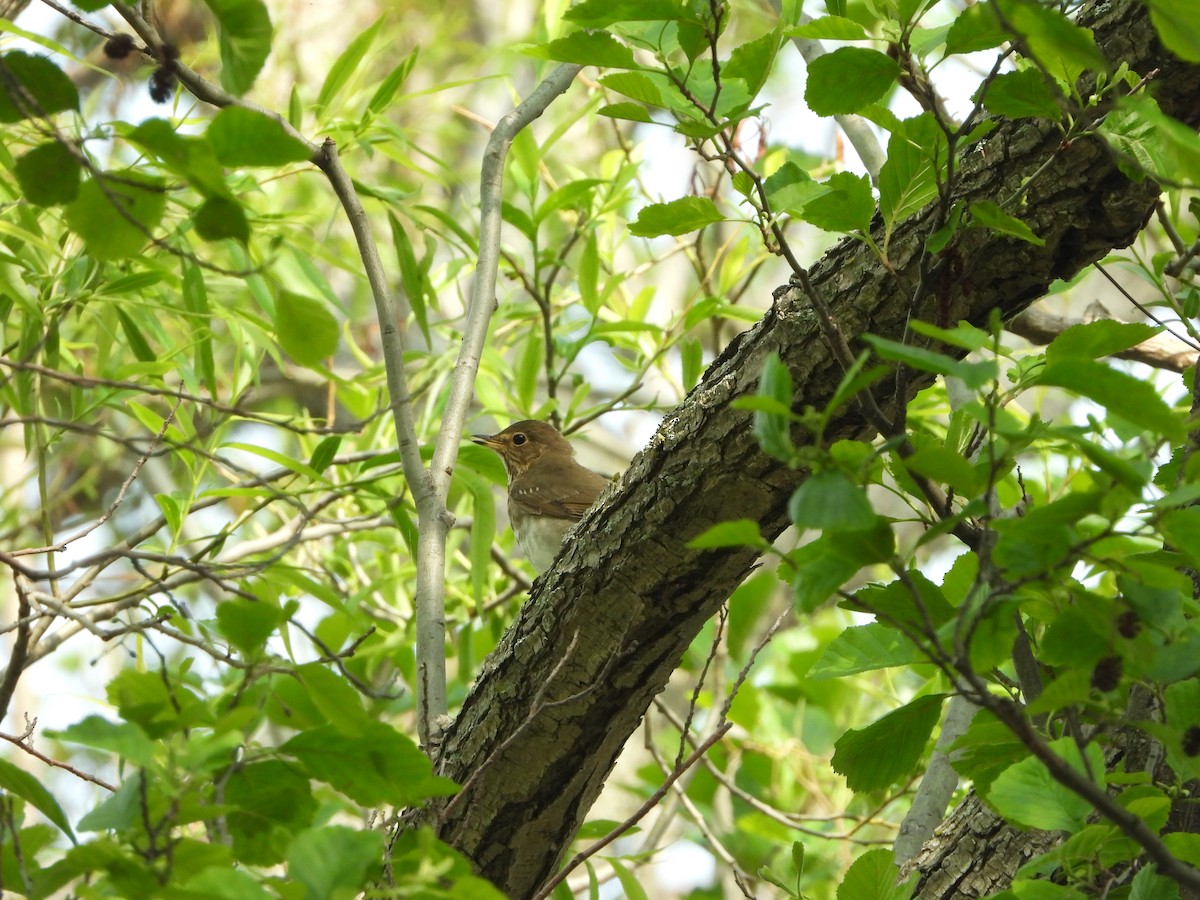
(603, 631)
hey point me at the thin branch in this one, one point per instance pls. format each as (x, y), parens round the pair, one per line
(20, 649)
(698, 820)
(434, 519)
(20, 740)
(651, 802)
(62, 545)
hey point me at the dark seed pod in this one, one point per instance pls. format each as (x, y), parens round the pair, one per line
(1128, 624)
(1107, 674)
(119, 46)
(162, 84)
(1191, 741)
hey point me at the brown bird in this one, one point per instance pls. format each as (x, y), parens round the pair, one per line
(548, 491)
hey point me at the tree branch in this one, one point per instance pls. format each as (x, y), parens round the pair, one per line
(629, 575)
(431, 546)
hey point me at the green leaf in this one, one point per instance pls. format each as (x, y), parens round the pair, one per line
(384, 94)
(483, 524)
(631, 888)
(142, 699)
(592, 48)
(223, 882)
(1077, 637)
(243, 137)
(1021, 95)
(1062, 47)
(738, 533)
(1182, 528)
(18, 781)
(632, 112)
(41, 88)
(752, 62)
(976, 28)
(908, 180)
(340, 703)
(848, 79)
(986, 749)
(305, 328)
(873, 877)
(691, 362)
(48, 174)
(636, 85)
(895, 601)
(865, 648)
(1184, 845)
(125, 739)
(600, 13)
(1147, 883)
(247, 624)
(119, 810)
(677, 217)
(1122, 471)
(1025, 793)
(108, 233)
(190, 157)
(1132, 399)
(322, 457)
(945, 466)
(887, 750)
(137, 341)
(824, 565)
(773, 426)
(1177, 26)
(346, 63)
(574, 195)
(829, 501)
(334, 861)
(380, 765)
(415, 277)
(273, 801)
(973, 374)
(219, 218)
(989, 214)
(829, 28)
(845, 206)
(195, 298)
(244, 33)
(284, 460)
(1103, 337)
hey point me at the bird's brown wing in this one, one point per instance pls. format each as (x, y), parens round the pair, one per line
(546, 492)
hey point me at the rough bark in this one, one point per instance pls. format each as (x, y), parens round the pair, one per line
(974, 853)
(612, 619)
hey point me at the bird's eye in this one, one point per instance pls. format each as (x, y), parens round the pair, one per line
(519, 439)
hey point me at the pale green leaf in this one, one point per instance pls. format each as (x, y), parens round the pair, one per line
(889, 749)
(848, 79)
(676, 217)
(244, 34)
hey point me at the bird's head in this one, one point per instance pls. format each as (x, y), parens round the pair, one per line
(522, 444)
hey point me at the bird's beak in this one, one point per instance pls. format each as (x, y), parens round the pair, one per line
(487, 440)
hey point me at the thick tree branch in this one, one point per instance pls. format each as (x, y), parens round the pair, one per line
(1163, 351)
(629, 583)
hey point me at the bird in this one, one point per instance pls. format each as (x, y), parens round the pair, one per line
(548, 491)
